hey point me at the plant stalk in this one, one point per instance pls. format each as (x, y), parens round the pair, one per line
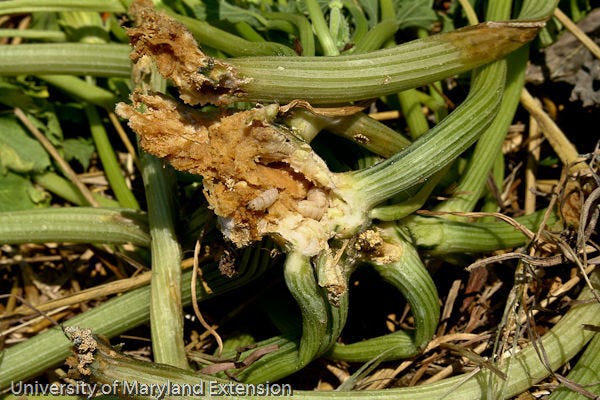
(473, 180)
(563, 341)
(107, 155)
(66, 59)
(302, 284)
(442, 144)
(75, 225)
(330, 80)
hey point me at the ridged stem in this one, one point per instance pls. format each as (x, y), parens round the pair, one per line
(75, 225)
(414, 202)
(66, 59)
(305, 34)
(442, 144)
(67, 190)
(537, 9)
(359, 128)
(27, 6)
(376, 36)
(82, 90)
(409, 276)
(330, 80)
(442, 236)
(361, 26)
(107, 155)
(473, 180)
(208, 35)
(302, 284)
(39, 34)
(320, 27)
(561, 343)
(166, 314)
(319, 80)
(585, 374)
(413, 114)
(324, 312)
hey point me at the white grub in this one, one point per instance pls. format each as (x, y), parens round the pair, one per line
(230, 184)
(263, 200)
(315, 204)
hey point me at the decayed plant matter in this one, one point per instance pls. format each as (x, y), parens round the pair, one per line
(259, 177)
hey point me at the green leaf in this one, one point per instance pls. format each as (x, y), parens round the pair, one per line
(234, 14)
(18, 92)
(414, 13)
(12, 96)
(17, 193)
(371, 9)
(549, 162)
(194, 8)
(48, 123)
(19, 152)
(80, 149)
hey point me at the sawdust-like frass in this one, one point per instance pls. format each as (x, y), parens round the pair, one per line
(258, 177)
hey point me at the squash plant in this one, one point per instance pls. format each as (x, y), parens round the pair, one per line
(242, 112)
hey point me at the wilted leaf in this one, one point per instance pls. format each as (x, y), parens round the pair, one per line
(568, 60)
(585, 90)
(567, 55)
